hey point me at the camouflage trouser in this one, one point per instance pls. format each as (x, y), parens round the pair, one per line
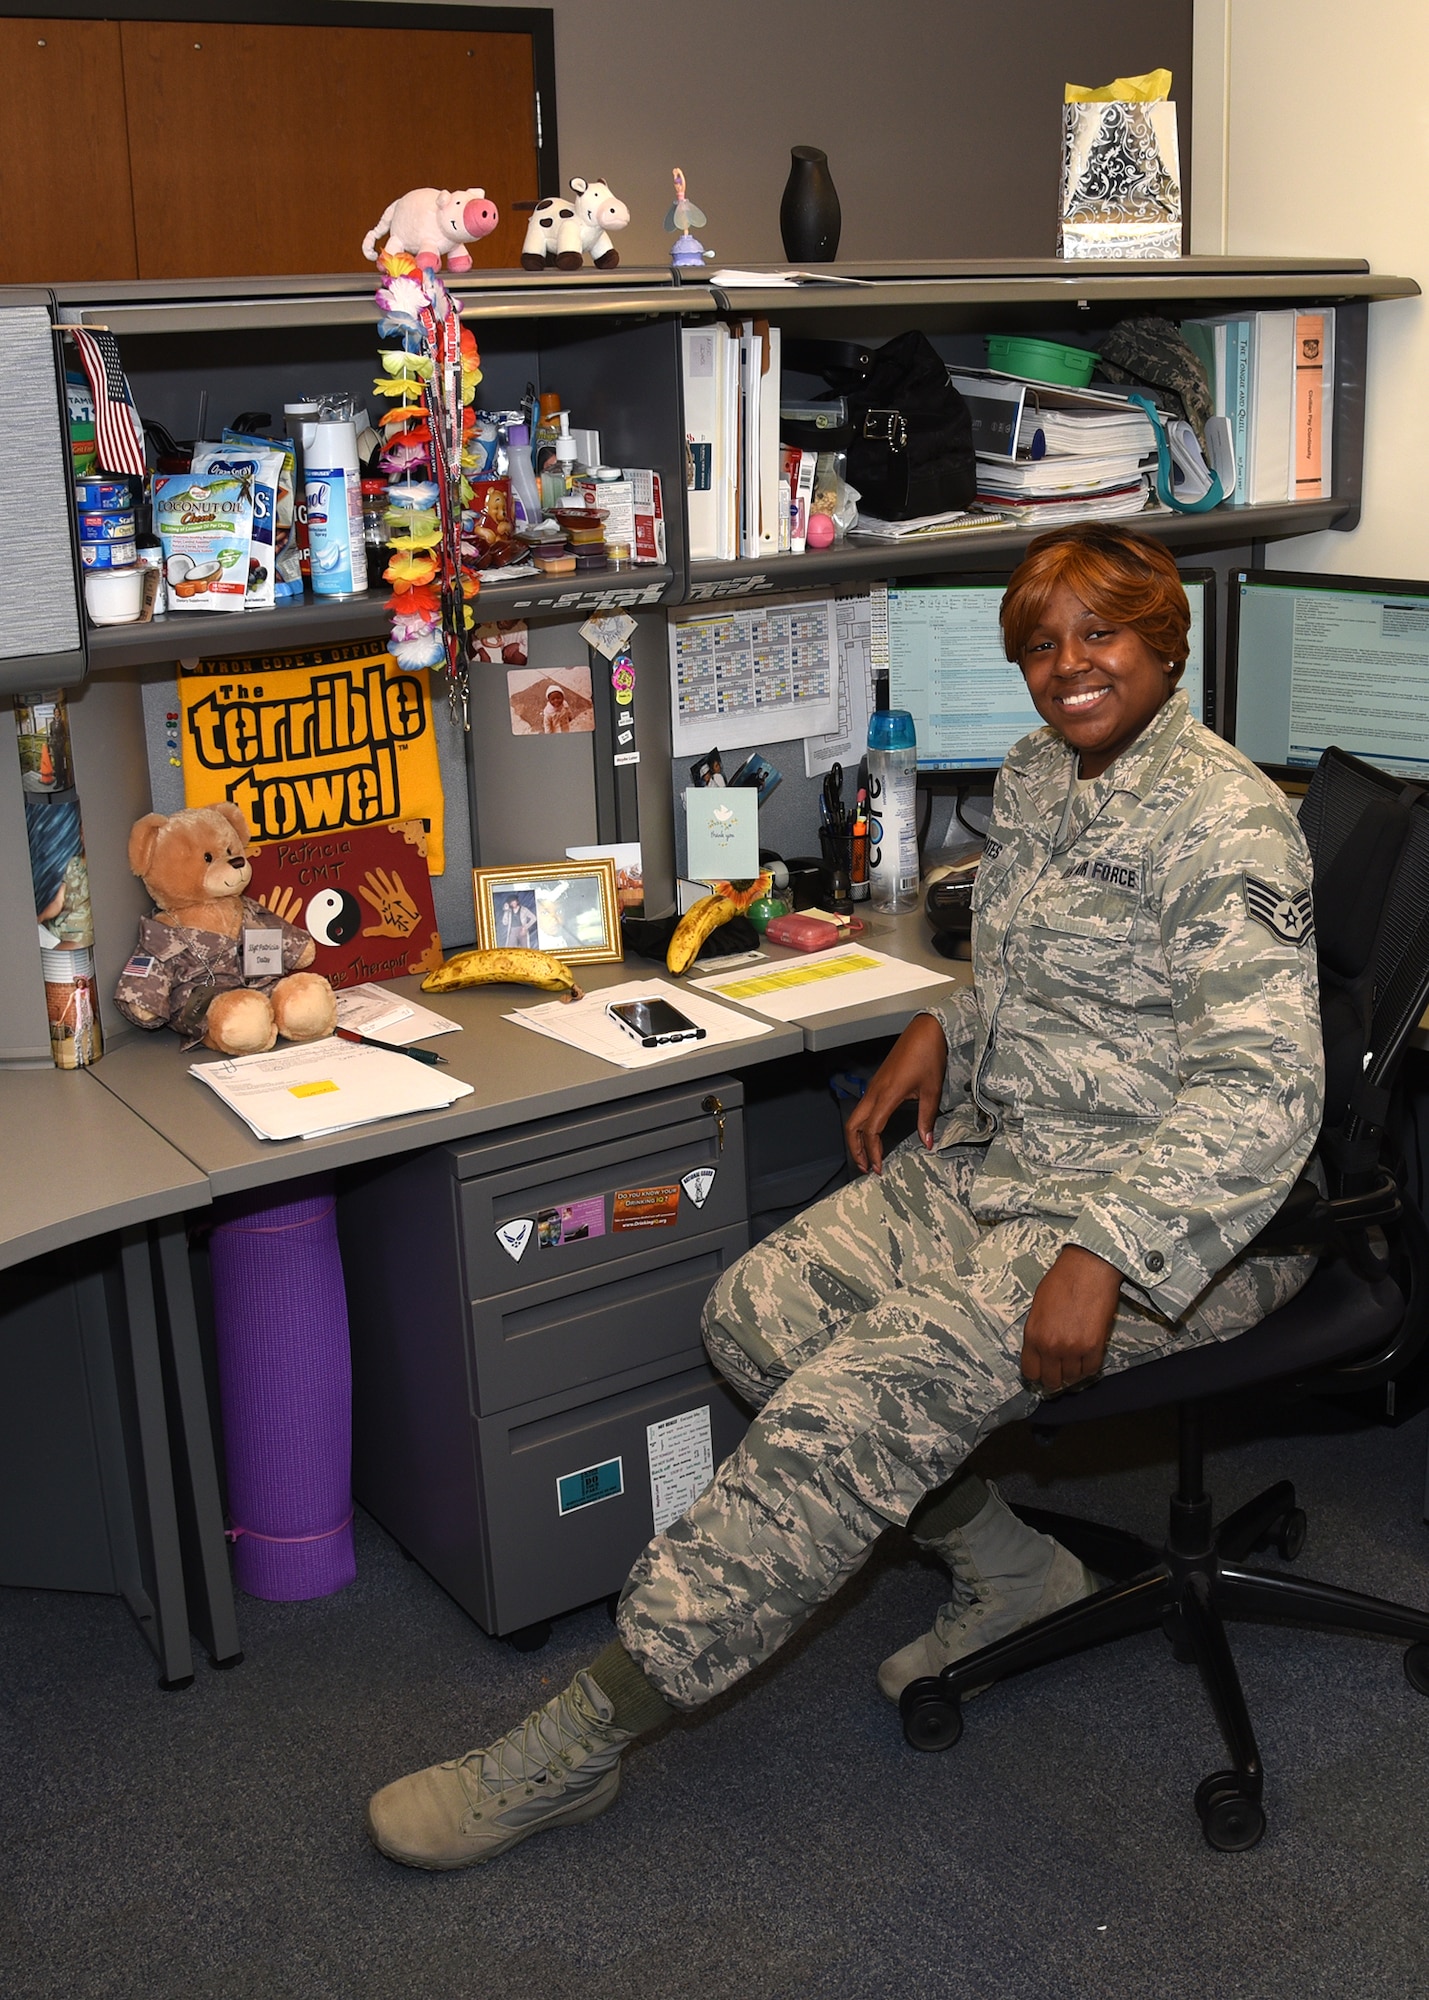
(881, 1333)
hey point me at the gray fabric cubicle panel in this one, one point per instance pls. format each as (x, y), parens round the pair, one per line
(24, 1031)
(41, 624)
(533, 796)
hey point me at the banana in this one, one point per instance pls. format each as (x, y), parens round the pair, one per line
(706, 916)
(510, 965)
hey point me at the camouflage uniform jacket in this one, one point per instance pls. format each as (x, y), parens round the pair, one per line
(1140, 1052)
(174, 972)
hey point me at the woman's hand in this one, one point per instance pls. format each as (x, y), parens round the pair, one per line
(914, 1067)
(1065, 1336)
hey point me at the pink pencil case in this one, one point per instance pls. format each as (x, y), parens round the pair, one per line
(798, 933)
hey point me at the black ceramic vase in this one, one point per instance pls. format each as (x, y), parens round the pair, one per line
(809, 215)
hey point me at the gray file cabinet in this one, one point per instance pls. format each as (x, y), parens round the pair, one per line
(527, 1363)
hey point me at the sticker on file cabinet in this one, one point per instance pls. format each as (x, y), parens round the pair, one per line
(513, 1236)
(645, 1207)
(590, 1485)
(572, 1222)
(681, 1463)
(697, 1184)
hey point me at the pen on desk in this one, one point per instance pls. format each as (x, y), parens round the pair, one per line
(428, 1056)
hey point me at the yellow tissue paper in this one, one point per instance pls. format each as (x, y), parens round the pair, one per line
(1149, 89)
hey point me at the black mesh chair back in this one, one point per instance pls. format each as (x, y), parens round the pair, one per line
(1368, 835)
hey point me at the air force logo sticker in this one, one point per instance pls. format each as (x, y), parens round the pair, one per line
(1290, 918)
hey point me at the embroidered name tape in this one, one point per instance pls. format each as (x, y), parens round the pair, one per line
(1291, 918)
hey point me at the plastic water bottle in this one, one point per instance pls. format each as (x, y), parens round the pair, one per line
(893, 810)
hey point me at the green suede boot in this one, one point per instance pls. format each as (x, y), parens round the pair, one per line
(1005, 1575)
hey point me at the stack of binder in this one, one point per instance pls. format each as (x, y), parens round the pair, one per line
(1048, 456)
(739, 503)
(1273, 378)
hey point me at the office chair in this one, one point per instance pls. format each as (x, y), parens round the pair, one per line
(1360, 1320)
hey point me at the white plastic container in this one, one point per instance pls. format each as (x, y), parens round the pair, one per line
(893, 807)
(333, 485)
(114, 596)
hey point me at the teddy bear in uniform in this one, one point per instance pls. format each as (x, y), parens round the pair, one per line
(211, 962)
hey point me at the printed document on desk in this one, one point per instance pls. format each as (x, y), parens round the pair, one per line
(848, 976)
(742, 678)
(584, 1024)
(378, 1012)
(304, 1090)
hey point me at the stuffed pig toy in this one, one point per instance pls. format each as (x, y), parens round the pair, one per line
(210, 962)
(431, 222)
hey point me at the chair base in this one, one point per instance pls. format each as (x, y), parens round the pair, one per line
(1189, 1588)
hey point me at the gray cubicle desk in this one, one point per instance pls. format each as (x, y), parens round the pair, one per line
(75, 1165)
(904, 937)
(516, 1078)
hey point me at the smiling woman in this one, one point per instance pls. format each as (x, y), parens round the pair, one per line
(1097, 619)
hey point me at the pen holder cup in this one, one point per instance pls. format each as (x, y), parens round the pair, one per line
(838, 857)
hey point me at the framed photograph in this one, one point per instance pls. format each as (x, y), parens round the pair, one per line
(570, 908)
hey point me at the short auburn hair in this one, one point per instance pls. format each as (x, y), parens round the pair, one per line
(1117, 573)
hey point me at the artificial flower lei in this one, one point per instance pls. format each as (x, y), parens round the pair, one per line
(430, 379)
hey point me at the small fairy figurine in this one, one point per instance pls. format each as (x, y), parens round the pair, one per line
(686, 250)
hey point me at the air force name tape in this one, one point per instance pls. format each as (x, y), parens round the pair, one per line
(1291, 918)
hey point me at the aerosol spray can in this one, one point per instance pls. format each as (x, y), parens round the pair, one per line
(333, 483)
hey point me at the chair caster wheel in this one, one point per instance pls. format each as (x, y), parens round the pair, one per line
(529, 1638)
(1416, 1666)
(1289, 1534)
(932, 1718)
(1230, 1819)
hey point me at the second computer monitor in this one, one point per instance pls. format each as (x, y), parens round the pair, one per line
(969, 702)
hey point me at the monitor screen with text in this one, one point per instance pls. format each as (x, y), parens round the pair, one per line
(968, 701)
(1316, 660)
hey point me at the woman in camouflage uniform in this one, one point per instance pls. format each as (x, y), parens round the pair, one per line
(1105, 1120)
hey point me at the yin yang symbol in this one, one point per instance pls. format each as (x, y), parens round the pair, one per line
(333, 917)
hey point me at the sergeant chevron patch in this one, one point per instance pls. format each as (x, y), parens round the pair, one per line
(1288, 917)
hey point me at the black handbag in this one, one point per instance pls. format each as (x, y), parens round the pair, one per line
(911, 448)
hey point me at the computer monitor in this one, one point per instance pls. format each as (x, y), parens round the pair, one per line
(968, 701)
(1315, 660)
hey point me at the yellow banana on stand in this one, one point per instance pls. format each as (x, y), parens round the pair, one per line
(508, 965)
(730, 899)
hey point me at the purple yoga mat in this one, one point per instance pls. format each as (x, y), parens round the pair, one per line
(285, 1379)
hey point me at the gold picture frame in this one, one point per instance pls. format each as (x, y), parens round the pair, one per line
(569, 908)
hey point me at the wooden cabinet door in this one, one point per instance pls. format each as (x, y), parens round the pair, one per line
(260, 150)
(64, 154)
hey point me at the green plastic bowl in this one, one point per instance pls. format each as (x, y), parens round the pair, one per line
(1041, 360)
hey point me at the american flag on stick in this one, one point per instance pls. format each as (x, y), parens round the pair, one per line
(117, 431)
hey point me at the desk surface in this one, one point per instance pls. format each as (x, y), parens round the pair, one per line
(516, 1078)
(903, 937)
(75, 1162)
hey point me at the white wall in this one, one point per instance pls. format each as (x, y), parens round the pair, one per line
(1326, 153)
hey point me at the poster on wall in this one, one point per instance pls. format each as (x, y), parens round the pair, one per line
(323, 741)
(364, 897)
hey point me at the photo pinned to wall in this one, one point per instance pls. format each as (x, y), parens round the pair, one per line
(553, 701)
(629, 870)
(566, 907)
(501, 642)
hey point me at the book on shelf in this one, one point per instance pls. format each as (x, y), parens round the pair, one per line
(1314, 401)
(1272, 378)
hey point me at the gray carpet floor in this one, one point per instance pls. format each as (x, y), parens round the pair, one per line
(785, 1843)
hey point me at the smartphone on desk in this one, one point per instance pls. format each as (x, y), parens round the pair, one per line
(654, 1023)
